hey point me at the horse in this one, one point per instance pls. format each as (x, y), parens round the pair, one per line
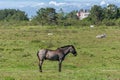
(55, 55)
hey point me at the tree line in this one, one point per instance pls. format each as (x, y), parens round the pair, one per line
(109, 16)
(12, 14)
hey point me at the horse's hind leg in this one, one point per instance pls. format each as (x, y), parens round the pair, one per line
(40, 65)
(41, 56)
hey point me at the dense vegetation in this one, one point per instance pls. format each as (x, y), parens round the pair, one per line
(12, 14)
(109, 16)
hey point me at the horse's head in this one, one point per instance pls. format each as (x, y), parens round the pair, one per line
(72, 50)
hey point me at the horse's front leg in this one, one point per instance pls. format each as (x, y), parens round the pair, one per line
(60, 65)
(40, 65)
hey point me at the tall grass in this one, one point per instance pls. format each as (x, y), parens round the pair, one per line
(98, 59)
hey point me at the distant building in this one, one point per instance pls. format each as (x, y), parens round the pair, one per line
(82, 14)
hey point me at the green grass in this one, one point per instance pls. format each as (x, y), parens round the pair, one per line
(98, 59)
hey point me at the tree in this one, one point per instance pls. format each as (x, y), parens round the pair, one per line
(61, 17)
(96, 14)
(72, 15)
(46, 16)
(13, 14)
(61, 14)
(51, 16)
(111, 12)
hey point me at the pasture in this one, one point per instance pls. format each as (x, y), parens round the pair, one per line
(97, 59)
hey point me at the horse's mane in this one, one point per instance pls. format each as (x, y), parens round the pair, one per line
(66, 46)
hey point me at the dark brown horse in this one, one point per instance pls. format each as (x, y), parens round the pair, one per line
(55, 55)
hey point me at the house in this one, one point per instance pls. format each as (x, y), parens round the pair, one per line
(82, 14)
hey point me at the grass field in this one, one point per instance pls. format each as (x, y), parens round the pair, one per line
(97, 59)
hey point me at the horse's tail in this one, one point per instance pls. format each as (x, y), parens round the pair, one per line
(38, 55)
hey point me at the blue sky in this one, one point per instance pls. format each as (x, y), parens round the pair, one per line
(31, 6)
(58, 3)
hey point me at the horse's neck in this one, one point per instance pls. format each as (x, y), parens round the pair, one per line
(66, 50)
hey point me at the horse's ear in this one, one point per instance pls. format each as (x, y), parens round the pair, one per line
(72, 46)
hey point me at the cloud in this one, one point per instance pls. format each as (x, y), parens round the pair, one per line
(103, 2)
(56, 4)
(20, 4)
(30, 4)
(37, 4)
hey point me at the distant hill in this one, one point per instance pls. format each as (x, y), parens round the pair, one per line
(67, 7)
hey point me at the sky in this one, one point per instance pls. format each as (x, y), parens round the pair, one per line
(31, 6)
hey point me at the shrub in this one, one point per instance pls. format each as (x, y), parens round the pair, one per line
(109, 22)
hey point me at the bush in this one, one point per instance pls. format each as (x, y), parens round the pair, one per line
(14, 23)
(117, 22)
(85, 22)
(109, 22)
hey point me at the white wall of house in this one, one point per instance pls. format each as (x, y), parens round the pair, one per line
(82, 15)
